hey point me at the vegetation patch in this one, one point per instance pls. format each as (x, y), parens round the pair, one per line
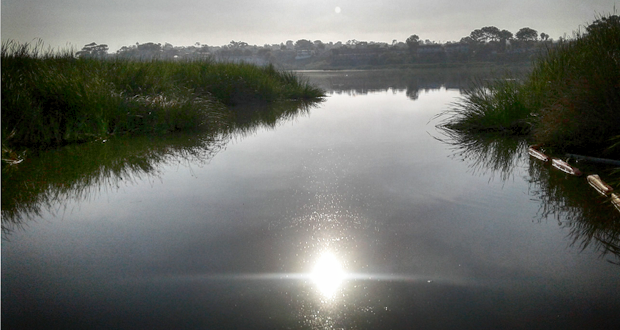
(491, 106)
(53, 98)
(570, 101)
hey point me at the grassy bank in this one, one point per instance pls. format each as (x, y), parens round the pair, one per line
(569, 102)
(53, 98)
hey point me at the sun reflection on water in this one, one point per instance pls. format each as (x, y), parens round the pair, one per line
(328, 274)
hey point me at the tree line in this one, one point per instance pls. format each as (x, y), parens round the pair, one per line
(488, 43)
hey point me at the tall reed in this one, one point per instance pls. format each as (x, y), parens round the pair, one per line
(577, 86)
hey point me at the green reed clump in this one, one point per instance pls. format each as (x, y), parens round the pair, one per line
(241, 83)
(577, 87)
(51, 98)
(491, 106)
(570, 101)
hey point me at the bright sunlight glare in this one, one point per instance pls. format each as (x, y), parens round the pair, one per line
(327, 274)
(337, 10)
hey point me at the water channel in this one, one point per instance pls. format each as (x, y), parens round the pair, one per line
(356, 212)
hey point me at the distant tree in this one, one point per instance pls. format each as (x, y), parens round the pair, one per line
(203, 50)
(488, 34)
(319, 44)
(237, 44)
(527, 34)
(413, 42)
(149, 47)
(467, 40)
(303, 44)
(234, 48)
(93, 50)
(544, 36)
(491, 33)
(477, 36)
(505, 35)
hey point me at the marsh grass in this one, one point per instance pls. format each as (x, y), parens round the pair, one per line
(577, 86)
(496, 105)
(570, 101)
(53, 98)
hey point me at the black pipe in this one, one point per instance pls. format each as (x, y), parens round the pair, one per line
(595, 159)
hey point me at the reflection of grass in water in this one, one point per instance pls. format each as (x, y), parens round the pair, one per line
(591, 220)
(486, 152)
(589, 217)
(53, 178)
(248, 119)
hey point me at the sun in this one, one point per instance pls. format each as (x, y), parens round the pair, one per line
(328, 274)
(337, 10)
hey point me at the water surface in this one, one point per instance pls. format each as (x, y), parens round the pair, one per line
(354, 213)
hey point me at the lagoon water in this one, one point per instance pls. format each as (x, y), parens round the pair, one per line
(354, 213)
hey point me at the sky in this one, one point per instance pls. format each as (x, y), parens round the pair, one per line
(73, 23)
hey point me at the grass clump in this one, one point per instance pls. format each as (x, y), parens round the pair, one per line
(570, 101)
(53, 98)
(578, 88)
(492, 106)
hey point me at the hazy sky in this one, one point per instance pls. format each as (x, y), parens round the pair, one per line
(216, 22)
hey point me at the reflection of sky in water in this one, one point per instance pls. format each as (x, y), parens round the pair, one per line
(410, 234)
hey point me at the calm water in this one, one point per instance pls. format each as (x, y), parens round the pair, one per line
(353, 213)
